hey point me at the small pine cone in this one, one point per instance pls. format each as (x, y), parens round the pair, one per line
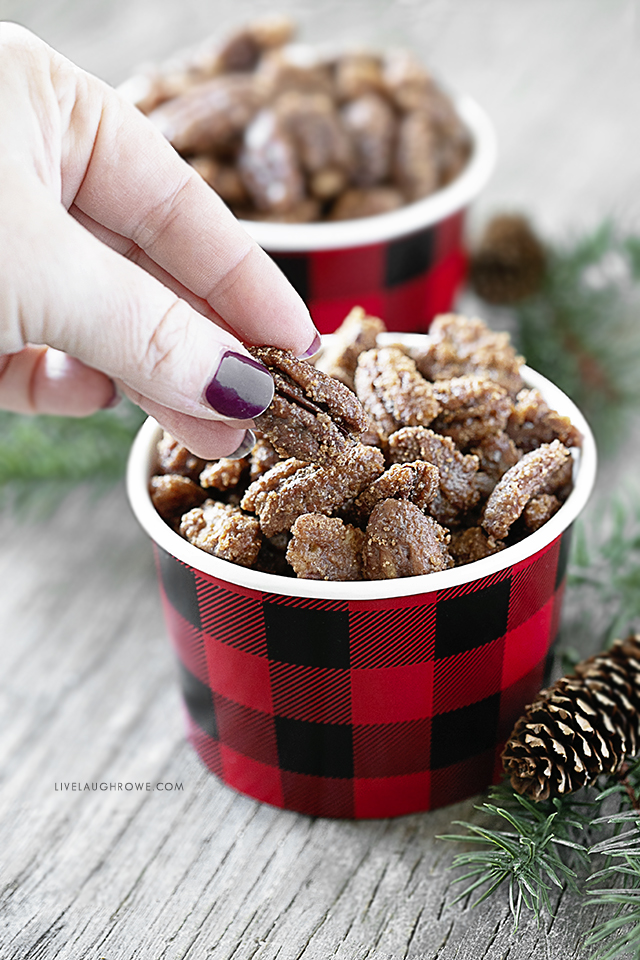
(584, 725)
(509, 262)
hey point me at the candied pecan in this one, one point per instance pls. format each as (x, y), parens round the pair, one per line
(402, 542)
(357, 332)
(355, 203)
(263, 456)
(416, 161)
(209, 116)
(539, 509)
(223, 474)
(174, 458)
(174, 494)
(242, 50)
(224, 531)
(392, 391)
(292, 488)
(268, 482)
(293, 67)
(532, 422)
(461, 345)
(311, 121)
(472, 409)
(417, 481)
(311, 417)
(472, 544)
(268, 165)
(497, 453)
(527, 479)
(371, 127)
(406, 80)
(325, 548)
(457, 470)
(358, 73)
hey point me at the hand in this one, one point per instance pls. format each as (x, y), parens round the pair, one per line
(120, 267)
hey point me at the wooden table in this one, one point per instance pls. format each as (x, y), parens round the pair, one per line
(88, 693)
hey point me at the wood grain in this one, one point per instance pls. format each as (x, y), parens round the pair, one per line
(87, 686)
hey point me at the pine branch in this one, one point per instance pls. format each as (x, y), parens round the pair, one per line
(623, 853)
(604, 570)
(530, 858)
(42, 458)
(581, 331)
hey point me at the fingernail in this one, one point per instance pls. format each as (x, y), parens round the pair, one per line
(313, 349)
(245, 447)
(113, 400)
(242, 387)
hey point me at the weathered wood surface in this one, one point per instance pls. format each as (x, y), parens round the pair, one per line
(87, 686)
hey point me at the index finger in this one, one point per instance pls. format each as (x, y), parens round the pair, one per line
(120, 170)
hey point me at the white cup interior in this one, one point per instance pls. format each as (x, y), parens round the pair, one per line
(143, 460)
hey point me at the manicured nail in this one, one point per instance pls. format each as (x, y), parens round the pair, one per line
(113, 400)
(313, 349)
(242, 387)
(245, 447)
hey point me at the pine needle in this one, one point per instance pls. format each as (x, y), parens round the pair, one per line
(581, 329)
(42, 458)
(527, 857)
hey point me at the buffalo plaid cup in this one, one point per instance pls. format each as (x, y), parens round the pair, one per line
(367, 699)
(405, 266)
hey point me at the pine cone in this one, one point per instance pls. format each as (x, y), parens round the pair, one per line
(509, 262)
(584, 725)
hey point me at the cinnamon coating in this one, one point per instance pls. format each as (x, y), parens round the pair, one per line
(415, 476)
(532, 423)
(223, 474)
(457, 471)
(459, 346)
(312, 417)
(325, 548)
(223, 531)
(172, 495)
(527, 479)
(472, 409)
(417, 481)
(392, 391)
(357, 332)
(402, 542)
(293, 488)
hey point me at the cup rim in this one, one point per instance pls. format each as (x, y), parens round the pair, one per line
(366, 231)
(139, 469)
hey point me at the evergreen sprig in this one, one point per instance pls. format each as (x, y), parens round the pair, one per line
(531, 857)
(622, 850)
(41, 456)
(604, 572)
(581, 328)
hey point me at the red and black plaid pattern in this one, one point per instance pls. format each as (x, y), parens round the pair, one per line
(361, 708)
(407, 281)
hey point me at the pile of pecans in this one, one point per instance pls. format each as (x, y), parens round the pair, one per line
(284, 132)
(379, 461)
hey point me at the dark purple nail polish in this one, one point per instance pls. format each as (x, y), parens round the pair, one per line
(242, 387)
(245, 447)
(313, 349)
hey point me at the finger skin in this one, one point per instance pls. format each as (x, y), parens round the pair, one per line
(43, 380)
(116, 253)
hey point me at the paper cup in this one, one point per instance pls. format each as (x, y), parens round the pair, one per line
(366, 699)
(405, 266)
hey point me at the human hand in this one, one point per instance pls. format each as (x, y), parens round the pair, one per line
(120, 267)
